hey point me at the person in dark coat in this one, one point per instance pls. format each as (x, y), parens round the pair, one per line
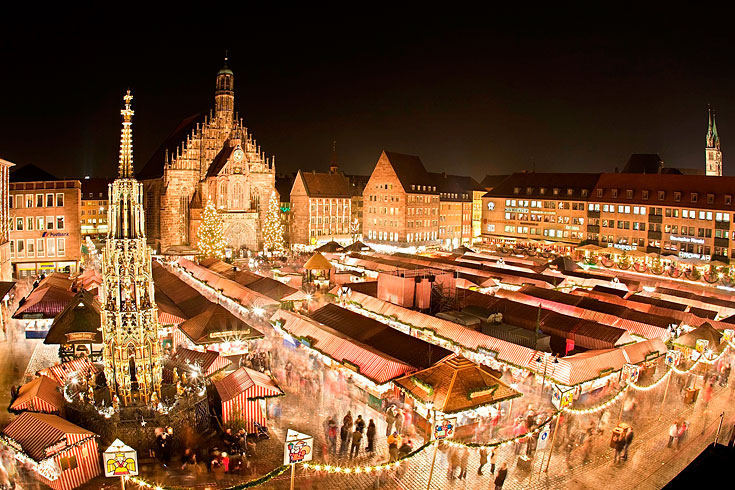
(344, 435)
(371, 437)
(628, 440)
(501, 476)
(355, 448)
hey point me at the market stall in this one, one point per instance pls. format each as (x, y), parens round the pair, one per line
(244, 396)
(454, 386)
(60, 454)
(215, 329)
(40, 395)
(76, 330)
(318, 270)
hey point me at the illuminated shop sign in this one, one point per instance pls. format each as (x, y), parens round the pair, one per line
(686, 239)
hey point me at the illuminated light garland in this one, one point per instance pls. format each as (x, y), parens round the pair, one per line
(367, 468)
(602, 406)
(652, 385)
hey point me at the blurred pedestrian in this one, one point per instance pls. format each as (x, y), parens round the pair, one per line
(394, 442)
(463, 462)
(483, 460)
(355, 448)
(371, 437)
(360, 424)
(628, 441)
(501, 476)
(493, 459)
(332, 436)
(344, 435)
(454, 461)
(673, 433)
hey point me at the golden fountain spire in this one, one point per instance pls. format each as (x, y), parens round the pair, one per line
(126, 140)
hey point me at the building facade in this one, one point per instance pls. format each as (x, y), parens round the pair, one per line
(44, 226)
(94, 206)
(401, 203)
(685, 215)
(6, 266)
(457, 207)
(321, 208)
(208, 158)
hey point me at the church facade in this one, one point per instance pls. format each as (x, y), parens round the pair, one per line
(212, 157)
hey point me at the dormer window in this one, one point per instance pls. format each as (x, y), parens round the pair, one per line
(542, 191)
(694, 197)
(599, 192)
(614, 193)
(629, 193)
(529, 190)
(516, 190)
(584, 192)
(644, 194)
(710, 198)
(556, 191)
(570, 191)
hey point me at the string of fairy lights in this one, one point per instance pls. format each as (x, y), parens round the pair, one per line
(392, 465)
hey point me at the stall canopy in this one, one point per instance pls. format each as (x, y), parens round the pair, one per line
(410, 350)
(209, 362)
(317, 262)
(5, 287)
(78, 323)
(40, 395)
(461, 250)
(456, 384)
(81, 367)
(330, 247)
(235, 291)
(703, 332)
(375, 365)
(44, 302)
(357, 246)
(267, 286)
(216, 324)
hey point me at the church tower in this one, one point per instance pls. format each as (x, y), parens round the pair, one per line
(712, 152)
(224, 95)
(131, 350)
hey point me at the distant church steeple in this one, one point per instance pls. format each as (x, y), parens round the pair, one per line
(713, 154)
(333, 164)
(224, 96)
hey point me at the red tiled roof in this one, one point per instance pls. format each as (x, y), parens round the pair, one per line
(326, 185)
(46, 300)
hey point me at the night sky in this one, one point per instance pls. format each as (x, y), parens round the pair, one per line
(482, 92)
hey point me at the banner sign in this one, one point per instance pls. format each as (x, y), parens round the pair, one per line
(445, 428)
(299, 448)
(120, 460)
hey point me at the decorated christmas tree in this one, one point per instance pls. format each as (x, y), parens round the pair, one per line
(273, 228)
(210, 234)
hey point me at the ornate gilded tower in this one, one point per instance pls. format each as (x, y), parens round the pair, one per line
(132, 352)
(712, 151)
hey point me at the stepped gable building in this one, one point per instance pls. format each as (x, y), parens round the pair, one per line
(215, 158)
